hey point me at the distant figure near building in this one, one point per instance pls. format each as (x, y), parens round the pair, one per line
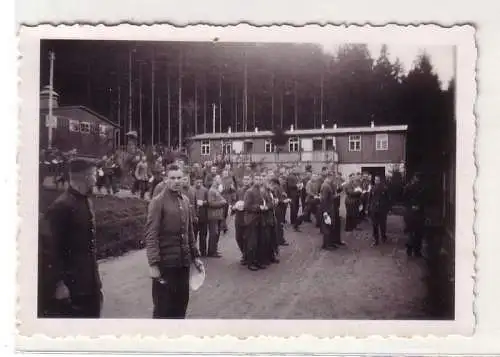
(70, 285)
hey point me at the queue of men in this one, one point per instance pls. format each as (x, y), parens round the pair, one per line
(187, 214)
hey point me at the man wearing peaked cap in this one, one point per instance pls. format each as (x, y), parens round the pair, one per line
(69, 281)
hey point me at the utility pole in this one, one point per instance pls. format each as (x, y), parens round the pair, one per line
(180, 100)
(50, 123)
(169, 127)
(213, 117)
(130, 91)
(220, 102)
(195, 105)
(205, 128)
(120, 112)
(153, 101)
(140, 104)
(159, 122)
(272, 101)
(245, 99)
(321, 100)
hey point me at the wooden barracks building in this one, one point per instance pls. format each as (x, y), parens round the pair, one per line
(374, 149)
(76, 127)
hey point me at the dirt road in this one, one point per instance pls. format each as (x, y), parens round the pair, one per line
(354, 282)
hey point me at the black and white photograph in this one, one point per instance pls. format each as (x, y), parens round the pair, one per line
(223, 179)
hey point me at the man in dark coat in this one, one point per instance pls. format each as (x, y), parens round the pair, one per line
(201, 226)
(379, 206)
(292, 191)
(170, 248)
(327, 209)
(70, 285)
(253, 211)
(239, 220)
(415, 202)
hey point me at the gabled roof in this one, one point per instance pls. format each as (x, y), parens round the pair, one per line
(84, 108)
(302, 132)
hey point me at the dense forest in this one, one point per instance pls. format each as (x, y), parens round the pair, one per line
(152, 87)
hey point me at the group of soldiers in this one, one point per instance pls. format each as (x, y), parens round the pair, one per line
(188, 212)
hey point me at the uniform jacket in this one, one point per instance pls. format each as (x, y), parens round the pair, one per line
(240, 196)
(327, 199)
(216, 204)
(169, 231)
(379, 200)
(253, 199)
(189, 192)
(201, 211)
(68, 246)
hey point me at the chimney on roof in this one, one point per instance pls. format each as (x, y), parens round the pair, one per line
(372, 124)
(256, 129)
(335, 126)
(323, 126)
(291, 127)
(229, 130)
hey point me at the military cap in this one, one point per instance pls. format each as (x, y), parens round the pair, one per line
(81, 164)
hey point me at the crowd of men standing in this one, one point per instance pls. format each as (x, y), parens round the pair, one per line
(188, 212)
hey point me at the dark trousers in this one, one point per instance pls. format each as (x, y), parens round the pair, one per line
(171, 296)
(214, 227)
(336, 227)
(379, 224)
(294, 206)
(254, 242)
(303, 196)
(280, 221)
(239, 229)
(79, 307)
(143, 187)
(416, 229)
(200, 234)
(223, 222)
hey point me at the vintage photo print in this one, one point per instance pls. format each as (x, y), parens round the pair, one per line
(246, 181)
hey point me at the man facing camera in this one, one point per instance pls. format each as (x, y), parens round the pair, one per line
(170, 248)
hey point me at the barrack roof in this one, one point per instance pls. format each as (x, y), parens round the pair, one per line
(300, 132)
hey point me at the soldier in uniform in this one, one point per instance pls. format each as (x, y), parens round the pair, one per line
(270, 242)
(379, 206)
(239, 220)
(70, 285)
(228, 192)
(216, 204)
(253, 208)
(353, 194)
(280, 210)
(415, 201)
(201, 226)
(170, 248)
(292, 191)
(327, 209)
